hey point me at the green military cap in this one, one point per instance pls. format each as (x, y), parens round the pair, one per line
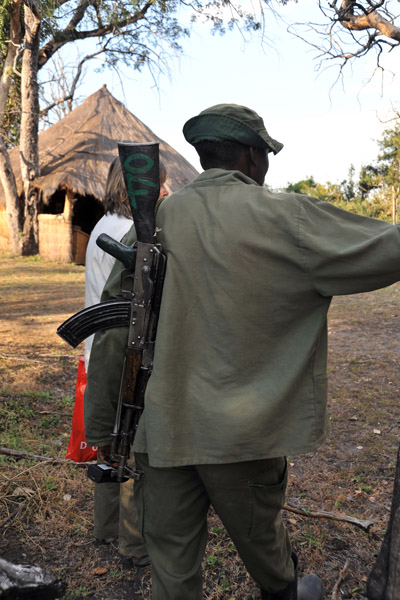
(230, 122)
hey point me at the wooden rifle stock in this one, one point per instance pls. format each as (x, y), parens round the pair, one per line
(133, 387)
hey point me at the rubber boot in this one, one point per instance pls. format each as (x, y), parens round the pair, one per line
(308, 588)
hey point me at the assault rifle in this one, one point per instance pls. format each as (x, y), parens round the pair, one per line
(139, 309)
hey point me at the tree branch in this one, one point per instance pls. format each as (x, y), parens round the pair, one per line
(33, 7)
(351, 29)
(70, 33)
(372, 20)
(72, 90)
(340, 580)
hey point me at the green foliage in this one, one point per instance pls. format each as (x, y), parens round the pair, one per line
(124, 32)
(348, 185)
(369, 180)
(305, 186)
(328, 192)
(370, 196)
(50, 15)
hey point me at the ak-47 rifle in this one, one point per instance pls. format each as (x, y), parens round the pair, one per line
(145, 263)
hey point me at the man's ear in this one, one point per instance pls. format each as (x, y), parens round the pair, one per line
(253, 155)
(258, 164)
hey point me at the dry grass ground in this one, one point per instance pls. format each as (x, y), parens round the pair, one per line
(46, 508)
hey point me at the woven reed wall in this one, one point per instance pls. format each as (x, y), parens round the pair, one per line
(55, 238)
(58, 239)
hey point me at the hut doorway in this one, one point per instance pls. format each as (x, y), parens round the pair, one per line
(65, 224)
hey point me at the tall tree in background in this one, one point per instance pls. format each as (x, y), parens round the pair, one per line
(389, 157)
(389, 161)
(369, 180)
(11, 37)
(29, 143)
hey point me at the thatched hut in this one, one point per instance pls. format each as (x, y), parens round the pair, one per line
(75, 155)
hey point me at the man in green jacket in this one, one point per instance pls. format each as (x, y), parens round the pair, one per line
(239, 379)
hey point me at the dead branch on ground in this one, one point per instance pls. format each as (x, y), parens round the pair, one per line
(324, 514)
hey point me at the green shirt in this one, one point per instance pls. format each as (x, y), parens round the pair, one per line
(241, 353)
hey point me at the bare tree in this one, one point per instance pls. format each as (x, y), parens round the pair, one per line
(350, 29)
(58, 94)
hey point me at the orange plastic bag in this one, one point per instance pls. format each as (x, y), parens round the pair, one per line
(78, 450)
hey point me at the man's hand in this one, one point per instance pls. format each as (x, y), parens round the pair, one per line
(103, 454)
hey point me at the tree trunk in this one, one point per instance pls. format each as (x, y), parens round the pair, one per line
(12, 201)
(13, 205)
(13, 45)
(29, 126)
(384, 579)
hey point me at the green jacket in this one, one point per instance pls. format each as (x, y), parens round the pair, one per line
(241, 354)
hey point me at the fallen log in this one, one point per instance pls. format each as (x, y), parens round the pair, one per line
(384, 579)
(20, 582)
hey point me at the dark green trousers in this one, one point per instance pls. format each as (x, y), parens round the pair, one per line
(248, 497)
(115, 515)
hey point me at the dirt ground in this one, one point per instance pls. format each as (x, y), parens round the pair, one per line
(46, 508)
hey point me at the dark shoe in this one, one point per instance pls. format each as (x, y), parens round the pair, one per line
(141, 562)
(129, 562)
(310, 588)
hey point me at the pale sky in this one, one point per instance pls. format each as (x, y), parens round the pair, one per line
(324, 127)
